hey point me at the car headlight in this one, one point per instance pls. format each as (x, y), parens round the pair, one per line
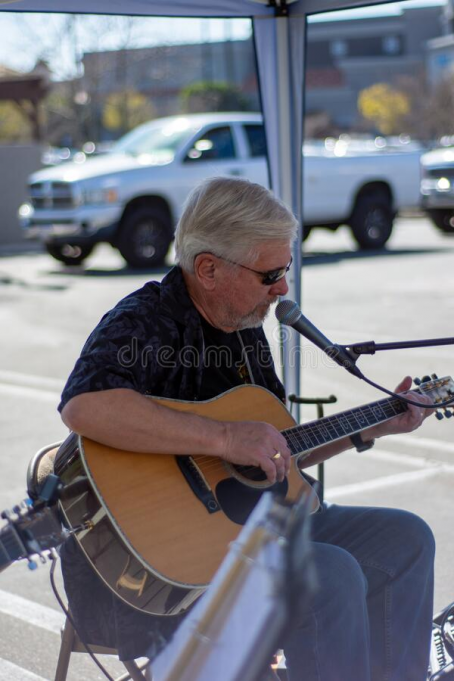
(100, 196)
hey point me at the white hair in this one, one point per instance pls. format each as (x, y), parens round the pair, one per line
(230, 217)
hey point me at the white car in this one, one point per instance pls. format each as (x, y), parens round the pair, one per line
(132, 196)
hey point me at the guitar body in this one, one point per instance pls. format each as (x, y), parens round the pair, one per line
(157, 531)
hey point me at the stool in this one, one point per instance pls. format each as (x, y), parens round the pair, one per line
(71, 643)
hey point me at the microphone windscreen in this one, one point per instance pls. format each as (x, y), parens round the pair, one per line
(287, 312)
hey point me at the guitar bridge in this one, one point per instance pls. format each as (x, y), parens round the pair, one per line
(197, 483)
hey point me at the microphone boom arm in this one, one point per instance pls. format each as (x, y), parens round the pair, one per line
(371, 347)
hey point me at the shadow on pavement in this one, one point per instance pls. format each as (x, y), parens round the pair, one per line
(325, 258)
(309, 258)
(81, 271)
(8, 280)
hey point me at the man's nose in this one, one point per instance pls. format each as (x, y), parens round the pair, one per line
(280, 288)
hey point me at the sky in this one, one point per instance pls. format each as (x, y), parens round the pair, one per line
(24, 38)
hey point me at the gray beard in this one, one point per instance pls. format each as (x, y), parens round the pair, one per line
(254, 320)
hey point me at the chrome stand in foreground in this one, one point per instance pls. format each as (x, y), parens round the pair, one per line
(236, 627)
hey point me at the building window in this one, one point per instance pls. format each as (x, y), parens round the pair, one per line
(391, 44)
(339, 48)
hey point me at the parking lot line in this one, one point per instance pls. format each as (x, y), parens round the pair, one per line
(31, 380)
(30, 612)
(425, 443)
(11, 672)
(34, 393)
(387, 481)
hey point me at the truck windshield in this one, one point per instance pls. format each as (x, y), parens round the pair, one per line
(155, 139)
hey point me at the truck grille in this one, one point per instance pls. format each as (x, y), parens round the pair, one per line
(51, 195)
(441, 172)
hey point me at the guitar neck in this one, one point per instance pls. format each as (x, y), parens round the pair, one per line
(11, 547)
(307, 436)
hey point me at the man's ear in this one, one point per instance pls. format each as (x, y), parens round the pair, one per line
(205, 270)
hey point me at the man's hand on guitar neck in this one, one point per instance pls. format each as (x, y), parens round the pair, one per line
(406, 422)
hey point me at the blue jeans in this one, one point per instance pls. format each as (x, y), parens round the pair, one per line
(371, 617)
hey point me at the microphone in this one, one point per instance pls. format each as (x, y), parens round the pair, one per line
(288, 313)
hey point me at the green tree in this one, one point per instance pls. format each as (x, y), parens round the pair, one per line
(124, 111)
(212, 96)
(14, 123)
(385, 106)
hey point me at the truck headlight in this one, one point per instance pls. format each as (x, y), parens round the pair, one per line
(100, 196)
(25, 210)
(443, 184)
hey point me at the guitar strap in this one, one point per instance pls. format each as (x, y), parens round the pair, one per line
(246, 359)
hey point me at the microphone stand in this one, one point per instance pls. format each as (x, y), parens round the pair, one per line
(355, 350)
(371, 347)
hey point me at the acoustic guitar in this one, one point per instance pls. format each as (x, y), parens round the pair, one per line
(156, 527)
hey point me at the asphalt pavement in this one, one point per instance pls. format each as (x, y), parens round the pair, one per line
(400, 293)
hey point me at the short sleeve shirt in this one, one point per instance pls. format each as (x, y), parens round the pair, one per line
(153, 341)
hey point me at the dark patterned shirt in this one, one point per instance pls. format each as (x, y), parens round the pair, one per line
(153, 342)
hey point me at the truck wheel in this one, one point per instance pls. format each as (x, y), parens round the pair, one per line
(145, 237)
(69, 254)
(372, 221)
(443, 219)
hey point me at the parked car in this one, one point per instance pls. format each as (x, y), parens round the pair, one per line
(132, 196)
(437, 188)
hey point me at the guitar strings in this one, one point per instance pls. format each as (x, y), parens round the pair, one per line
(335, 427)
(303, 437)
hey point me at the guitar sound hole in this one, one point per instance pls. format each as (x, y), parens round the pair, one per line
(252, 473)
(238, 501)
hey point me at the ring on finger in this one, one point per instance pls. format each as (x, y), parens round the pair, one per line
(277, 455)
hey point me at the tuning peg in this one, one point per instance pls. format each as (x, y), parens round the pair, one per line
(426, 379)
(448, 413)
(439, 415)
(434, 377)
(417, 381)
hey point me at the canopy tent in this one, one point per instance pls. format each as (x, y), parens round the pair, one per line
(279, 34)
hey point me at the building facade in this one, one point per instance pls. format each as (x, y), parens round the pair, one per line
(342, 58)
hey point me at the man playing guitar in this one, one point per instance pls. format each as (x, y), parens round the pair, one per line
(194, 336)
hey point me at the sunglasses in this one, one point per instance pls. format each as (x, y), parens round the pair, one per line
(268, 278)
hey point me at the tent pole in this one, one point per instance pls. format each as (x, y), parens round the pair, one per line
(288, 192)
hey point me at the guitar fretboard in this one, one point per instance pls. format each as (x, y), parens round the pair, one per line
(330, 428)
(11, 547)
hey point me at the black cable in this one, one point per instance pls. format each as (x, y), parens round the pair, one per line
(54, 558)
(447, 637)
(399, 396)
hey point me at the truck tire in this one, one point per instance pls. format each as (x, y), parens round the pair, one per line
(443, 219)
(145, 237)
(372, 220)
(69, 254)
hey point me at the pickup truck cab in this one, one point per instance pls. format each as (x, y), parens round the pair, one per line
(133, 195)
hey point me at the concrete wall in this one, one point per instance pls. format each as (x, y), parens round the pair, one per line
(16, 164)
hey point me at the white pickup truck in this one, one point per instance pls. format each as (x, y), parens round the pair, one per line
(132, 197)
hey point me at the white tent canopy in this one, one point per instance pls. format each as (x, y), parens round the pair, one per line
(279, 34)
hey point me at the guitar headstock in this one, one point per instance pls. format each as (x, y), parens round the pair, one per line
(29, 531)
(439, 390)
